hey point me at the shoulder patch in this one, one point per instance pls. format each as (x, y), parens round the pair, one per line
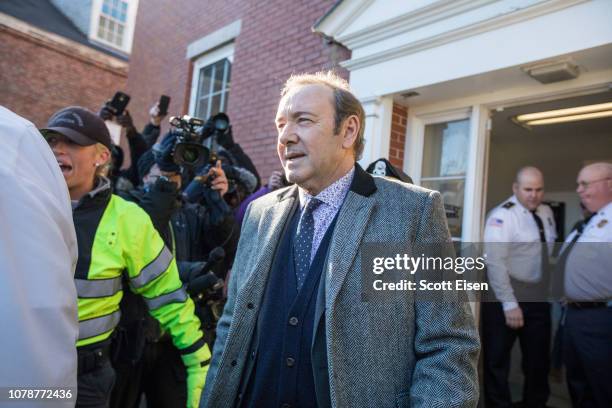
(508, 205)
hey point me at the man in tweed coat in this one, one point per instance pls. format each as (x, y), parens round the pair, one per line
(295, 331)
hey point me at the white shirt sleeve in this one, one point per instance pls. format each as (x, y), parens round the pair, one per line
(497, 235)
(38, 253)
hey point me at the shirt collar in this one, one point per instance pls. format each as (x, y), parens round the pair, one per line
(605, 210)
(522, 207)
(333, 195)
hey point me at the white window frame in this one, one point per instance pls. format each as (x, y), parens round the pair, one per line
(226, 51)
(413, 155)
(128, 32)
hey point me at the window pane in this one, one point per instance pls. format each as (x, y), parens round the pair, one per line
(124, 6)
(119, 29)
(105, 8)
(216, 105)
(100, 32)
(115, 3)
(219, 68)
(212, 89)
(445, 149)
(115, 13)
(452, 197)
(202, 108)
(119, 40)
(102, 22)
(111, 25)
(228, 65)
(123, 17)
(110, 36)
(223, 107)
(204, 83)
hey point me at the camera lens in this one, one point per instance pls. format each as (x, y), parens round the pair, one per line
(221, 121)
(190, 155)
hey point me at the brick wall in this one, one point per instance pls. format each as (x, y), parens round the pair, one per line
(398, 135)
(38, 78)
(275, 41)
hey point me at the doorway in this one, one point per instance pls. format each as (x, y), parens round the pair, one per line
(559, 151)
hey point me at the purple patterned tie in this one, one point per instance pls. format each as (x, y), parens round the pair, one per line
(303, 241)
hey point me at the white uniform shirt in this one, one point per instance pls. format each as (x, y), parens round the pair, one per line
(38, 254)
(588, 273)
(517, 252)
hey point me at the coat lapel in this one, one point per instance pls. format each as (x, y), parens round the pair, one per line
(272, 224)
(350, 228)
(348, 233)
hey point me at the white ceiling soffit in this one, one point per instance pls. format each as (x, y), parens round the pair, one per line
(345, 23)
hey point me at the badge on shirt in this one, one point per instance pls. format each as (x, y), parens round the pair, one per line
(601, 223)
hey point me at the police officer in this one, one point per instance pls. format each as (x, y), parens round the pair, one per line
(116, 239)
(517, 270)
(585, 265)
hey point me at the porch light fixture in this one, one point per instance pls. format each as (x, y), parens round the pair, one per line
(553, 71)
(577, 113)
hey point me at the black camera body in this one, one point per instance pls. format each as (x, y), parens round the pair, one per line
(189, 150)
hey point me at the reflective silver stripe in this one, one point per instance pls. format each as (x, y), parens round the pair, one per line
(99, 325)
(154, 269)
(178, 296)
(96, 288)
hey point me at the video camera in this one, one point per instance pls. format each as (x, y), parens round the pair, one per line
(191, 133)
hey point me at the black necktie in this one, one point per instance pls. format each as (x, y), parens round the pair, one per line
(544, 251)
(302, 246)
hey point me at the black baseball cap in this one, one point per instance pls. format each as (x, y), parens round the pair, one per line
(80, 125)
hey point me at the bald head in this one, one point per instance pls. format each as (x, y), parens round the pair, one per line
(528, 187)
(595, 185)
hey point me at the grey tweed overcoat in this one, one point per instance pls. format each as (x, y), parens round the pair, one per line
(402, 353)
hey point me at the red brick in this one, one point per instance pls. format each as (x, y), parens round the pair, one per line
(37, 79)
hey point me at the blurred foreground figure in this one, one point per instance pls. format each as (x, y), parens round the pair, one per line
(38, 254)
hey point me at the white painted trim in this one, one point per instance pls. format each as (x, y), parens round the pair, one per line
(214, 39)
(585, 84)
(130, 24)
(341, 17)
(226, 51)
(413, 147)
(474, 184)
(429, 14)
(460, 33)
(377, 131)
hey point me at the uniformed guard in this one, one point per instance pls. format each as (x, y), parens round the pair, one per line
(584, 267)
(518, 236)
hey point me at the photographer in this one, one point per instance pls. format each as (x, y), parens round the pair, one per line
(147, 362)
(138, 143)
(230, 149)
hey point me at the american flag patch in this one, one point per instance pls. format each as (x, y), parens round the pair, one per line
(496, 222)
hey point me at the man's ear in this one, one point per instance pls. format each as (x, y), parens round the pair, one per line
(350, 131)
